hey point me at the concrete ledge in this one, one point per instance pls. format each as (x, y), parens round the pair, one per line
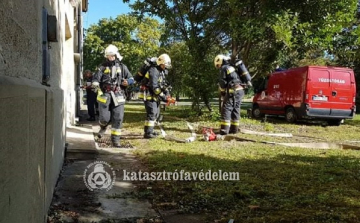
(80, 139)
(17, 86)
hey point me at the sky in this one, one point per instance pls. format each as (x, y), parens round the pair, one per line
(98, 9)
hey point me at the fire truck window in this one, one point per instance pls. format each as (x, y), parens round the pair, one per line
(266, 81)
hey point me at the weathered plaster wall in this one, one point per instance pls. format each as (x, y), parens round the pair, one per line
(33, 116)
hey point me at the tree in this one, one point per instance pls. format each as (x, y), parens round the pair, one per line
(265, 33)
(180, 66)
(193, 23)
(346, 50)
(136, 40)
(262, 33)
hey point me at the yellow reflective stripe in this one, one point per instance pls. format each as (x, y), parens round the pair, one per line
(149, 97)
(225, 122)
(245, 73)
(149, 123)
(140, 74)
(229, 70)
(107, 70)
(147, 75)
(118, 70)
(116, 132)
(222, 89)
(101, 99)
(235, 123)
(157, 91)
(141, 95)
(231, 90)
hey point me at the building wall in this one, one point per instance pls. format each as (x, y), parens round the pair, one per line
(34, 116)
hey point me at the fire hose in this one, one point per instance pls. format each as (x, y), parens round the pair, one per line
(192, 138)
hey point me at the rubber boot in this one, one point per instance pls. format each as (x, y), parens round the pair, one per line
(224, 129)
(149, 132)
(101, 132)
(234, 129)
(115, 140)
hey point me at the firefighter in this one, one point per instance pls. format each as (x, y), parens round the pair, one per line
(153, 92)
(232, 91)
(110, 82)
(90, 95)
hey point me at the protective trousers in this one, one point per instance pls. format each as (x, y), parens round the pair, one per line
(230, 112)
(109, 112)
(91, 102)
(152, 108)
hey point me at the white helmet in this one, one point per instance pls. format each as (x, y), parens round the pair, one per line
(219, 59)
(112, 50)
(164, 59)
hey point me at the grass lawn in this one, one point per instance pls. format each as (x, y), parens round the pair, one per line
(276, 183)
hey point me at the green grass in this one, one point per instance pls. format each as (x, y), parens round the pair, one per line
(277, 184)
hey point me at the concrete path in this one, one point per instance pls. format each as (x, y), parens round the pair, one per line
(74, 202)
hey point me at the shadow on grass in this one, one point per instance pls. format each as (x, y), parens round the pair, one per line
(176, 129)
(353, 122)
(281, 120)
(274, 119)
(315, 186)
(135, 117)
(278, 188)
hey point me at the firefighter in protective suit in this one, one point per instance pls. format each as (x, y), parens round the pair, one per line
(110, 82)
(231, 90)
(154, 91)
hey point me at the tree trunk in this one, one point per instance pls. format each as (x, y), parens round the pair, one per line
(207, 102)
(220, 102)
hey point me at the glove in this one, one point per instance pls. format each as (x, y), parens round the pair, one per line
(130, 81)
(162, 97)
(95, 86)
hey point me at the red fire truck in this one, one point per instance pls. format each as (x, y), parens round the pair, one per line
(311, 92)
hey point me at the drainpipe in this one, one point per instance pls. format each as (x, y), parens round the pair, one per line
(79, 65)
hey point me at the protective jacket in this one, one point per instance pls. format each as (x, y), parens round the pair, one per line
(229, 80)
(111, 74)
(87, 82)
(154, 85)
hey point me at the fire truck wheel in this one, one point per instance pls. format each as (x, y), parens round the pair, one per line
(290, 115)
(256, 113)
